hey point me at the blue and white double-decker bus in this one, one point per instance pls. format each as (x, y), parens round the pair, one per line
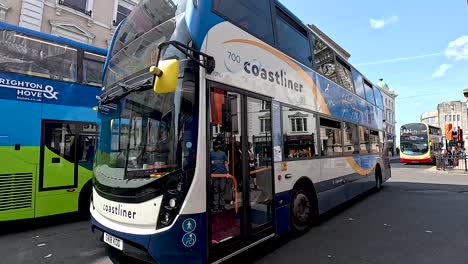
(226, 124)
(48, 128)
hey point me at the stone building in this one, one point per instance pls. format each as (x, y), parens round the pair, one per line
(454, 112)
(431, 118)
(389, 114)
(89, 21)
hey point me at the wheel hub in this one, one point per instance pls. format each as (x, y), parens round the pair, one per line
(301, 207)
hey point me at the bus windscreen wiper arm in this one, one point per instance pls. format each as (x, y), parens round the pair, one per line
(125, 90)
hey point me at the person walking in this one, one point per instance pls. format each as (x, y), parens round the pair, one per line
(219, 165)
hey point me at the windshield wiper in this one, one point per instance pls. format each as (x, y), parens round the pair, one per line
(122, 92)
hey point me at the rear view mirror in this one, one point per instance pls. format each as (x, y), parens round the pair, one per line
(165, 76)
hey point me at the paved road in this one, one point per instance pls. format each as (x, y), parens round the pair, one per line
(420, 216)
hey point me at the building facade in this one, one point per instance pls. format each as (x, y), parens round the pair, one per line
(389, 97)
(89, 21)
(454, 112)
(431, 118)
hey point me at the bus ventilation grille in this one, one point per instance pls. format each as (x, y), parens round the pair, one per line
(16, 191)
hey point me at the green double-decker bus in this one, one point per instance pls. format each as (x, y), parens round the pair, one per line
(48, 87)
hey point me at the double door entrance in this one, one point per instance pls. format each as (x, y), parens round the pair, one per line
(240, 178)
(65, 147)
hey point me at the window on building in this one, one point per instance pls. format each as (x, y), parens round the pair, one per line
(344, 74)
(298, 124)
(266, 105)
(265, 125)
(358, 83)
(32, 56)
(124, 7)
(252, 16)
(447, 118)
(331, 138)
(92, 68)
(458, 117)
(351, 139)
(78, 5)
(454, 118)
(287, 30)
(324, 58)
(299, 133)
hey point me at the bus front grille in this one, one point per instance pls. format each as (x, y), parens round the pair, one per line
(16, 191)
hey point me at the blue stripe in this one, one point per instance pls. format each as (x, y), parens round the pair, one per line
(48, 37)
(18, 87)
(282, 204)
(111, 46)
(69, 113)
(167, 246)
(200, 20)
(21, 122)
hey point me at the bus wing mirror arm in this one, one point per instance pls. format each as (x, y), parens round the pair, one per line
(208, 62)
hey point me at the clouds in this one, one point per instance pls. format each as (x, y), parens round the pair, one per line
(457, 49)
(441, 71)
(409, 58)
(381, 23)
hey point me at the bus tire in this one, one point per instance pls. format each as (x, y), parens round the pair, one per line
(304, 211)
(84, 201)
(378, 178)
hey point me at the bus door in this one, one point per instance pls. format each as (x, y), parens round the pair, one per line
(65, 145)
(240, 178)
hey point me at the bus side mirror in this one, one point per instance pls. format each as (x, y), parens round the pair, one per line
(165, 76)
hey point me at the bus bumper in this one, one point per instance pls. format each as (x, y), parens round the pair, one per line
(427, 160)
(165, 246)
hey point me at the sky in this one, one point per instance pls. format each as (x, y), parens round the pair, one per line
(420, 48)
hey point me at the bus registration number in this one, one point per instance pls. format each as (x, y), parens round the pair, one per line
(113, 241)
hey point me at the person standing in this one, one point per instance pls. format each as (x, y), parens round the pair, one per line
(253, 176)
(219, 165)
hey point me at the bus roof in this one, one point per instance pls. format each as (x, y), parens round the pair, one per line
(56, 39)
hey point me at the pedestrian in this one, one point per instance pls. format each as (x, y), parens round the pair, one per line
(218, 166)
(253, 176)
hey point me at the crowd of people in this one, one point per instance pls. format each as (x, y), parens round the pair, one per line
(451, 156)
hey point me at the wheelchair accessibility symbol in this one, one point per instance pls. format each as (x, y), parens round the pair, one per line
(189, 225)
(189, 239)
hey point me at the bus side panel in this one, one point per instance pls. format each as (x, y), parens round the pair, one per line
(64, 200)
(283, 210)
(19, 152)
(69, 113)
(56, 202)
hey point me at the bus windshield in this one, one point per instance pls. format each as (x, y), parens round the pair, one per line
(145, 136)
(136, 45)
(414, 139)
(414, 148)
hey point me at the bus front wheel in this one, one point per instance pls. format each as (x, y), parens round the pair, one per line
(303, 211)
(84, 201)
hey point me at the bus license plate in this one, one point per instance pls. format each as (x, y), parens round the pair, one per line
(113, 241)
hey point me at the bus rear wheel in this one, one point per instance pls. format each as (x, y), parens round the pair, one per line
(303, 211)
(378, 179)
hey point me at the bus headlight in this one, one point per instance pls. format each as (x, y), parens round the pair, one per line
(173, 198)
(169, 208)
(172, 203)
